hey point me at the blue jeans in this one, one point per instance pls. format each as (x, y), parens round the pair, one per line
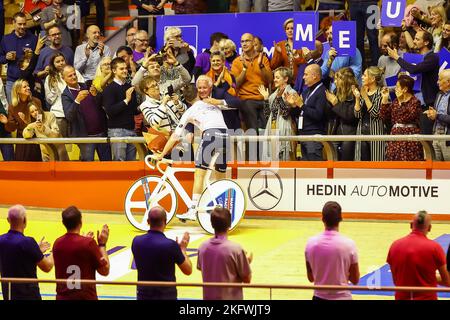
(8, 87)
(122, 151)
(358, 13)
(87, 150)
(7, 150)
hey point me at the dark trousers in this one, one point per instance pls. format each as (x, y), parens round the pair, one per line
(7, 150)
(252, 112)
(2, 24)
(426, 125)
(312, 151)
(358, 13)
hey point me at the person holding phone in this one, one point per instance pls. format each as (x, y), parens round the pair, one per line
(43, 125)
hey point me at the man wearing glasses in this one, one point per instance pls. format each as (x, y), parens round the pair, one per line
(141, 44)
(54, 37)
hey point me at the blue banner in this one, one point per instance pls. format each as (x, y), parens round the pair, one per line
(344, 37)
(392, 13)
(306, 25)
(414, 58)
(196, 29)
(444, 59)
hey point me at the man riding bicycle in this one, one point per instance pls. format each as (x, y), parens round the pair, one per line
(209, 119)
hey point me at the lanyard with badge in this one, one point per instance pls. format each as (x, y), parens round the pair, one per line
(300, 119)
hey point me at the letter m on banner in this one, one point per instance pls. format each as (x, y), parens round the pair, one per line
(392, 13)
(305, 30)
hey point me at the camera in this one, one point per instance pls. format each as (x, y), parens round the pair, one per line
(159, 58)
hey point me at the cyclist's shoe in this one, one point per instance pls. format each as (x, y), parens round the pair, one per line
(190, 215)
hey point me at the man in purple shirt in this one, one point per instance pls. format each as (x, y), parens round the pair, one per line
(85, 116)
(141, 42)
(331, 259)
(221, 260)
(202, 64)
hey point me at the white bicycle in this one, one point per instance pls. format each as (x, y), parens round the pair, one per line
(150, 191)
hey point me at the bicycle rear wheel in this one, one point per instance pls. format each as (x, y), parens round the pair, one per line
(141, 197)
(224, 193)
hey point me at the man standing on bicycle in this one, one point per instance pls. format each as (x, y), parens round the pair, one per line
(209, 120)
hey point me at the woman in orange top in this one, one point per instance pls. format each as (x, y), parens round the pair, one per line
(284, 54)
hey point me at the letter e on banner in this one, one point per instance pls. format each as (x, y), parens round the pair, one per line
(392, 13)
(344, 37)
(305, 30)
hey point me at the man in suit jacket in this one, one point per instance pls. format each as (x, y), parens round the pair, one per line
(85, 116)
(310, 110)
(312, 57)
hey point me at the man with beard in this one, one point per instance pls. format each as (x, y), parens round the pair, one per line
(391, 67)
(55, 46)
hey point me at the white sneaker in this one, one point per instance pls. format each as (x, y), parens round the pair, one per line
(190, 215)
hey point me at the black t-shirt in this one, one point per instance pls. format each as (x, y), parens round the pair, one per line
(19, 256)
(155, 258)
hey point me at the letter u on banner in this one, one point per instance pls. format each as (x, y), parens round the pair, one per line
(305, 30)
(344, 37)
(392, 13)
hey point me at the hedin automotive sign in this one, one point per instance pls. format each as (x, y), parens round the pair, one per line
(285, 190)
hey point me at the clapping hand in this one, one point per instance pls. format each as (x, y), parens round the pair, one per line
(385, 94)
(260, 58)
(431, 113)
(184, 242)
(293, 99)
(277, 47)
(103, 235)
(129, 94)
(93, 90)
(90, 234)
(3, 118)
(44, 245)
(40, 44)
(331, 98)
(264, 92)
(356, 92)
(101, 48)
(81, 96)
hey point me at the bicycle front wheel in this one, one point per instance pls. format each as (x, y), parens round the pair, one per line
(146, 193)
(224, 193)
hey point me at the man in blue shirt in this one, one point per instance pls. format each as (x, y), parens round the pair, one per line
(155, 257)
(332, 62)
(55, 46)
(19, 256)
(12, 49)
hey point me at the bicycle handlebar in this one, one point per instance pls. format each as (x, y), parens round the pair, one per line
(151, 161)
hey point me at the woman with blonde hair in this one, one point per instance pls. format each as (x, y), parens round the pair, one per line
(284, 54)
(341, 113)
(228, 48)
(367, 111)
(103, 74)
(43, 125)
(278, 111)
(18, 115)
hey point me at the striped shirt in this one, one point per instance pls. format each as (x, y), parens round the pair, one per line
(163, 117)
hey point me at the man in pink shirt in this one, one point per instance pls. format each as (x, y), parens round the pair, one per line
(332, 259)
(221, 260)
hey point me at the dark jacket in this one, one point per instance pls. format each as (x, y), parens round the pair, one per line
(120, 114)
(341, 118)
(72, 112)
(429, 68)
(299, 85)
(313, 111)
(231, 117)
(443, 118)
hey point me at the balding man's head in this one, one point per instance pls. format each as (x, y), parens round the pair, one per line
(247, 43)
(157, 218)
(444, 80)
(421, 222)
(69, 76)
(313, 74)
(93, 34)
(17, 217)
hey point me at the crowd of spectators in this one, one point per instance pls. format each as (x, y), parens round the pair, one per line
(331, 258)
(138, 89)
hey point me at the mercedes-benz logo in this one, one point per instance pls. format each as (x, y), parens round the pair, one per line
(265, 189)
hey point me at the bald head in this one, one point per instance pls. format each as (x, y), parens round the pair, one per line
(312, 75)
(93, 34)
(17, 216)
(421, 222)
(157, 218)
(444, 80)
(247, 45)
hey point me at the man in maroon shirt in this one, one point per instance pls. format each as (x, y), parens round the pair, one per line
(79, 257)
(414, 260)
